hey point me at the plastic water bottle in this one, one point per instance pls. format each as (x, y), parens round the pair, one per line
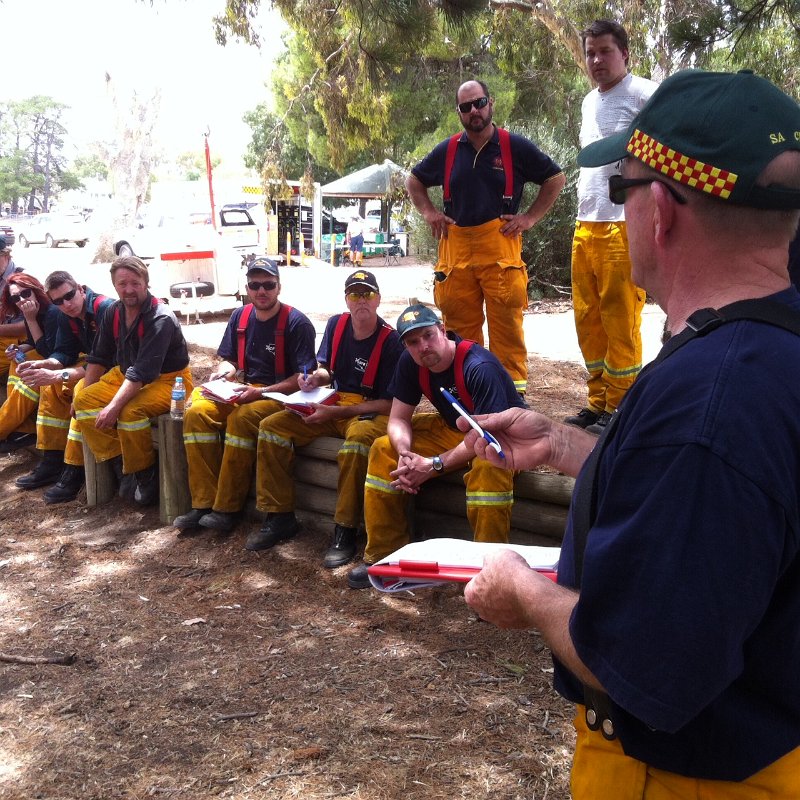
(178, 402)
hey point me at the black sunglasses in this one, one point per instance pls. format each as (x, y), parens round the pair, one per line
(24, 294)
(65, 298)
(268, 286)
(481, 102)
(618, 186)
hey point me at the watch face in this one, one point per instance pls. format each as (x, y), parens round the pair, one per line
(65, 375)
(437, 464)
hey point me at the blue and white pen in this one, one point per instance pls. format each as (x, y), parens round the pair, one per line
(493, 443)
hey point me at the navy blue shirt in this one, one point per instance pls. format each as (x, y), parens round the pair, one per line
(48, 322)
(352, 359)
(477, 182)
(689, 611)
(487, 382)
(299, 338)
(76, 336)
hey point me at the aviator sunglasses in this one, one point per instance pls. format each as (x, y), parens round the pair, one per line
(618, 187)
(267, 286)
(23, 295)
(481, 102)
(65, 298)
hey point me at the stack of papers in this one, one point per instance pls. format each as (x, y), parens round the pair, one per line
(436, 561)
(221, 390)
(300, 402)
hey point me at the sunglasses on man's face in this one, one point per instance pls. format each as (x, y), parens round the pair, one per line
(481, 102)
(618, 188)
(356, 296)
(24, 294)
(65, 298)
(267, 286)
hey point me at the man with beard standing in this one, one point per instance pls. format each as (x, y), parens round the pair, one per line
(483, 172)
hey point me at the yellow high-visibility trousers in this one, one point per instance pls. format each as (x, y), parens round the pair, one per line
(73, 451)
(132, 438)
(17, 413)
(490, 491)
(5, 364)
(481, 267)
(608, 311)
(600, 769)
(282, 433)
(220, 440)
(53, 417)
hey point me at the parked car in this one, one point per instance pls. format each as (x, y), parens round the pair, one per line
(8, 232)
(53, 230)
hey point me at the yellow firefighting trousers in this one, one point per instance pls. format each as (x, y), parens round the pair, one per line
(16, 414)
(490, 491)
(219, 471)
(278, 437)
(5, 343)
(481, 266)
(132, 437)
(53, 418)
(608, 311)
(600, 769)
(73, 452)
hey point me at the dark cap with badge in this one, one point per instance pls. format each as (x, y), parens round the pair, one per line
(416, 316)
(361, 278)
(714, 132)
(262, 264)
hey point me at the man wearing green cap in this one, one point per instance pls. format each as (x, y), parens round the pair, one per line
(674, 623)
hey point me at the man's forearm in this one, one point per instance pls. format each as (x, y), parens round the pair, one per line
(548, 192)
(419, 195)
(16, 329)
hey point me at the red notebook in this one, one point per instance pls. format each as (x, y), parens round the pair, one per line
(436, 561)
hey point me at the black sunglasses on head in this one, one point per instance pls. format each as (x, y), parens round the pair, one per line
(618, 187)
(24, 294)
(268, 286)
(481, 102)
(65, 298)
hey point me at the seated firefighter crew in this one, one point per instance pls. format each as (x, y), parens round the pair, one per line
(270, 343)
(25, 294)
(357, 356)
(138, 353)
(58, 378)
(423, 446)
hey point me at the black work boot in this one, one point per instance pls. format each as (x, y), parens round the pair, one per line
(126, 484)
(67, 487)
(146, 493)
(342, 549)
(276, 528)
(47, 471)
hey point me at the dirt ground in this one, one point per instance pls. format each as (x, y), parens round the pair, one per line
(199, 669)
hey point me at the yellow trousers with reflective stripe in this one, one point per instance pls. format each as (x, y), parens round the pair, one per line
(54, 417)
(280, 434)
(608, 311)
(490, 491)
(220, 440)
(483, 267)
(132, 438)
(600, 769)
(73, 451)
(17, 413)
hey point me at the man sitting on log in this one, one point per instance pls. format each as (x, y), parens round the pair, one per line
(138, 353)
(58, 379)
(357, 356)
(269, 344)
(435, 360)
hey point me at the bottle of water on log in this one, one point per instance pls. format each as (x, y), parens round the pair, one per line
(178, 402)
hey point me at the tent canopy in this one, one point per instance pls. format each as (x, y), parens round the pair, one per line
(370, 182)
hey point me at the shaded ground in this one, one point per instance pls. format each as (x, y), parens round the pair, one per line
(203, 670)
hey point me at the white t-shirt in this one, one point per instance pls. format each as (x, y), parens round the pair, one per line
(604, 113)
(355, 227)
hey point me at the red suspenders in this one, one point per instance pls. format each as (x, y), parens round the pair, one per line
(280, 339)
(374, 357)
(462, 348)
(140, 328)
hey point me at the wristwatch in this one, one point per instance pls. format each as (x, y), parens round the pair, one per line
(437, 464)
(65, 376)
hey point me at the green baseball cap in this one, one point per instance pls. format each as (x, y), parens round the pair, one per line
(711, 131)
(416, 316)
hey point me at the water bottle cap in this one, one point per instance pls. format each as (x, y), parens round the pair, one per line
(179, 379)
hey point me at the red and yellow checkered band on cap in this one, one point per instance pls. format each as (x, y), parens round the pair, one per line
(681, 168)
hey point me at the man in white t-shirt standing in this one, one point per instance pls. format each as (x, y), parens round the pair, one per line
(608, 305)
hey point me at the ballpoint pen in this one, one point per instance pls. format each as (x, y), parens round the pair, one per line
(493, 443)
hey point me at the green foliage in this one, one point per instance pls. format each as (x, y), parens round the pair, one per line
(90, 166)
